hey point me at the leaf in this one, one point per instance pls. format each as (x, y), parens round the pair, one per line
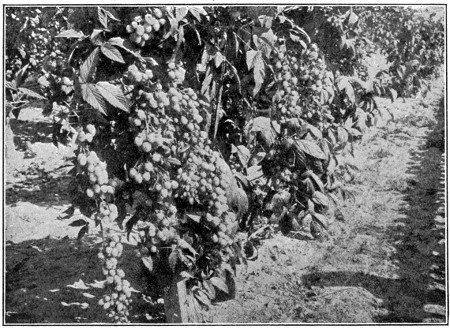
(311, 207)
(315, 131)
(317, 181)
(195, 218)
(173, 259)
(263, 126)
(352, 18)
(85, 294)
(255, 61)
(196, 12)
(186, 275)
(87, 69)
(30, 93)
(102, 17)
(258, 75)
(218, 59)
(93, 97)
(71, 34)
(82, 232)
(79, 222)
(174, 161)
(342, 135)
(321, 219)
(201, 296)
(184, 245)
(219, 284)
(113, 95)
(181, 12)
(320, 199)
(250, 57)
(243, 154)
(112, 52)
(310, 148)
(124, 44)
(10, 85)
(148, 262)
(393, 94)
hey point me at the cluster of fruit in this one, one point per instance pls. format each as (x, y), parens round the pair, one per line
(303, 86)
(87, 136)
(176, 73)
(97, 174)
(143, 28)
(118, 298)
(137, 77)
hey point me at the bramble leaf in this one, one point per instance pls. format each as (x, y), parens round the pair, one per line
(88, 67)
(93, 97)
(219, 284)
(113, 95)
(310, 148)
(112, 52)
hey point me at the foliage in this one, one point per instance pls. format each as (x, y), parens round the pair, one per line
(194, 122)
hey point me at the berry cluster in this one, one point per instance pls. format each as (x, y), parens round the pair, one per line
(137, 77)
(117, 300)
(143, 28)
(303, 87)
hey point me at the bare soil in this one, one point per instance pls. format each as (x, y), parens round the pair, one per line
(383, 263)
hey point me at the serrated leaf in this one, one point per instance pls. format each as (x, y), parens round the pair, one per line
(113, 95)
(93, 97)
(181, 12)
(71, 34)
(112, 52)
(219, 284)
(30, 93)
(102, 17)
(88, 67)
(148, 262)
(173, 259)
(310, 148)
(320, 199)
(79, 222)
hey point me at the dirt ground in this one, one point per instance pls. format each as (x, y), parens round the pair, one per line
(383, 263)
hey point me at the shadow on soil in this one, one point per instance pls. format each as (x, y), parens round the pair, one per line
(43, 283)
(418, 295)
